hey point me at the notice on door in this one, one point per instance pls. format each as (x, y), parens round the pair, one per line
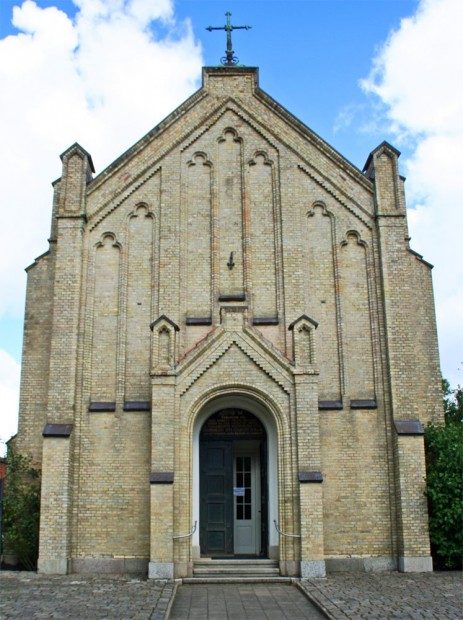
(238, 491)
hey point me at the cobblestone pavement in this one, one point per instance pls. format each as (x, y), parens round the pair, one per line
(389, 595)
(240, 602)
(373, 596)
(75, 597)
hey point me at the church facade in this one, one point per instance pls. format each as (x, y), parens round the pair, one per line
(230, 351)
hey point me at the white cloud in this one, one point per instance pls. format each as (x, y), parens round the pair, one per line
(103, 79)
(9, 397)
(417, 77)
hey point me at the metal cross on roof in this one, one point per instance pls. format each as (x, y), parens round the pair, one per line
(229, 59)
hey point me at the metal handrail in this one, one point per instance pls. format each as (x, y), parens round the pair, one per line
(193, 530)
(283, 533)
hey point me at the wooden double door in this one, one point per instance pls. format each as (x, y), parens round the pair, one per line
(233, 496)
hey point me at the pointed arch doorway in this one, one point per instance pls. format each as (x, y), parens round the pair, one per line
(233, 464)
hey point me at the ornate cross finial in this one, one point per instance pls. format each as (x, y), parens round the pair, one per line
(229, 59)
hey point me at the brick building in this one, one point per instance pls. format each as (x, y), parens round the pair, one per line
(230, 330)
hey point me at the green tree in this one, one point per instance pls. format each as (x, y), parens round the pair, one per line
(444, 464)
(453, 402)
(21, 510)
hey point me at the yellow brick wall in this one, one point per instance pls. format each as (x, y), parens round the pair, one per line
(36, 357)
(111, 497)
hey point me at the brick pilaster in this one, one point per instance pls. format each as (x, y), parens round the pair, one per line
(56, 492)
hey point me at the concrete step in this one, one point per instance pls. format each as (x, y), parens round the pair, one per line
(207, 570)
(235, 570)
(235, 561)
(221, 579)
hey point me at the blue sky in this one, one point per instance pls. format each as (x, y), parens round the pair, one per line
(312, 56)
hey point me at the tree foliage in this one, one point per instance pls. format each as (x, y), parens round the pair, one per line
(453, 402)
(21, 510)
(444, 464)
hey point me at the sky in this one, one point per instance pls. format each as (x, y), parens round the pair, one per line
(104, 72)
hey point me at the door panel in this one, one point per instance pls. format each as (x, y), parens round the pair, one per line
(263, 498)
(247, 503)
(216, 511)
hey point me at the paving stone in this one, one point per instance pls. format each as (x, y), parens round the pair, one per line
(388, 595)
(254, 602)
(33, 596)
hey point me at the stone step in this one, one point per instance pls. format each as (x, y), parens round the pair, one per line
(235, 570)
(236, 579)
(235, 561)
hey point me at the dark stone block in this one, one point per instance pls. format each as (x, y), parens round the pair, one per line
(100, 406)
(135, 566)
(108, 566)
(161, 477)
(363, 404)
(310, 476)
(57, 430)
(198, 320)
(163, 317)
(329, 404)
(305, 318)
(265, 320)
(137, 405)
(235, 297)
(408, 427)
